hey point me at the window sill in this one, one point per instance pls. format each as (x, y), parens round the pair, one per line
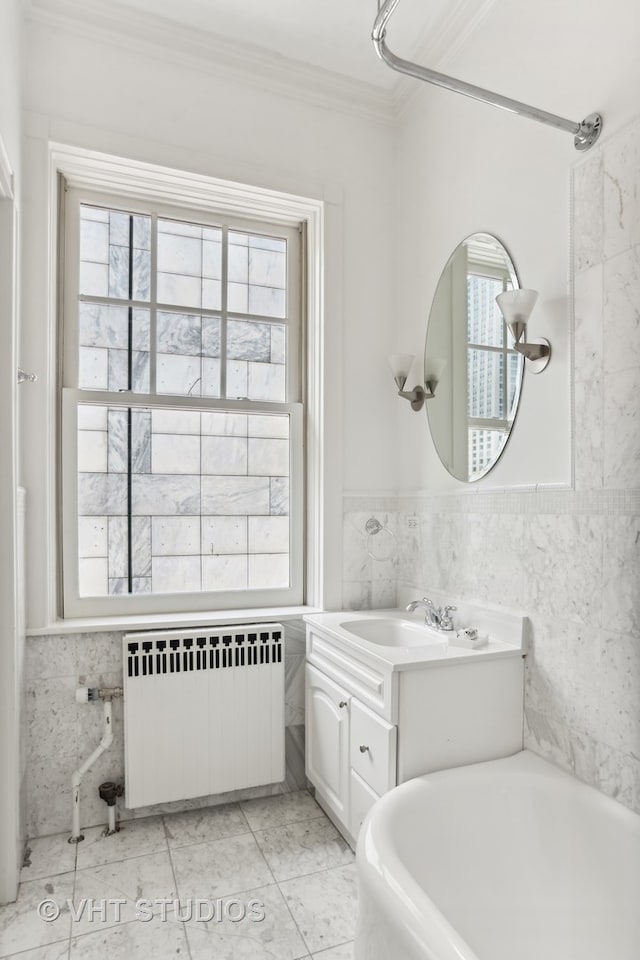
(177, 621)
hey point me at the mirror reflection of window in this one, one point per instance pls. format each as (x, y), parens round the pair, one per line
(491, 366)
(473, 411)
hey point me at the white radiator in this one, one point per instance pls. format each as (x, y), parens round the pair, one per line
(204, 711)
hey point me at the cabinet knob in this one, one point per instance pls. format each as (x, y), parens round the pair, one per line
(363, 749)
(342, 704)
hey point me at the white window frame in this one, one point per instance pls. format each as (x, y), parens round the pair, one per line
(138, 181)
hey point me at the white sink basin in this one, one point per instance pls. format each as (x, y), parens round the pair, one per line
(388, 632)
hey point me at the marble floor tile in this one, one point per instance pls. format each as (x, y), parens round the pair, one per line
(198, 826)
(20, 925)
(53, 951)
(324, 906)
(142, 878)
(277, 811)
(134, 839)
(275, 936)
(300, 848)
(220, 868)
(343, 952)
(133, 941)
(48, 856)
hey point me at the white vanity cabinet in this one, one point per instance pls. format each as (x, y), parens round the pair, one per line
(350, 751)
(374, 720)
(327, 740)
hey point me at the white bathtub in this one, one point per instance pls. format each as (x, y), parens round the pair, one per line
(507, 860)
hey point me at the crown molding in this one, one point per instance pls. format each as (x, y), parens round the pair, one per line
(186, 46)
(440, 44)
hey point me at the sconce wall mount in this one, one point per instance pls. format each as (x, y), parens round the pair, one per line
(516, 307)
(400, 364)
(417, 396)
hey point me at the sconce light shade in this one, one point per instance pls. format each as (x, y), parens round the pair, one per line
(516, 307)
(400, 364)
(517, 304)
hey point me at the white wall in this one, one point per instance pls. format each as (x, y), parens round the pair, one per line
(93, 94)
(464, 166)
(10, 642)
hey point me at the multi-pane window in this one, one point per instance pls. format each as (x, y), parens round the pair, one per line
(182, 421)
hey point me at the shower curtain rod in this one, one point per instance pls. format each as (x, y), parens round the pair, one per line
(585, 133)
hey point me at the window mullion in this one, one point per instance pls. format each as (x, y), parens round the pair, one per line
(505, 359)
(129, 420)
(153, 306)
(224, 301)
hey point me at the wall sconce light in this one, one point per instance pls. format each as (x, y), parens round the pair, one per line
(516, 307)
(400, 364)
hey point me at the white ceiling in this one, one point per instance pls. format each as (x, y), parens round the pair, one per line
(333, 35)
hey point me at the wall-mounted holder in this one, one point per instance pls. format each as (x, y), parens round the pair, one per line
(516, 307)
(372, 528)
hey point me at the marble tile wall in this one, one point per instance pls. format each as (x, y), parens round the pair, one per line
(569, 558)
(370, 560)
(61, 733)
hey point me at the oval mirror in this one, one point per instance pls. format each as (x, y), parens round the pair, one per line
(470, 360)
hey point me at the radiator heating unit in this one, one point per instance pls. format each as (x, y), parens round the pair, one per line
(204, 711)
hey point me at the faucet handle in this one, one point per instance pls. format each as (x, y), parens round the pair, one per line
(446, 623)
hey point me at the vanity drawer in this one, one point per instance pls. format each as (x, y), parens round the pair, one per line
(373, 748)
(362, 799)
(364, 679)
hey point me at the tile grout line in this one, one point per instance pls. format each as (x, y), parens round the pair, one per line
(23, 953)
(255, 840)
(197, 843)
(312, 873)
(105, 863)
(284, 899)
(73, 896)
(175, 881)
(251, 832)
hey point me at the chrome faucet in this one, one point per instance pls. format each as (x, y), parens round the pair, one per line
(437, 617)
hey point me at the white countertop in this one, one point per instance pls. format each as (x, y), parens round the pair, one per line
(438, 650)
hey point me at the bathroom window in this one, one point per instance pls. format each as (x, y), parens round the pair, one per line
(182, 415)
